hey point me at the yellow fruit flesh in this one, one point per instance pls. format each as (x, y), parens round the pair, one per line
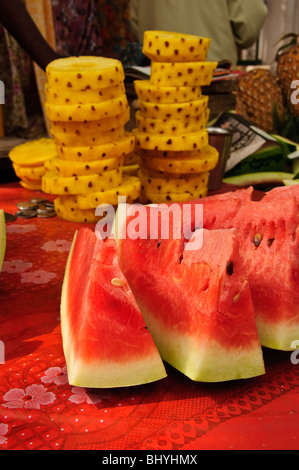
(174, 110)
(175, 47)
(53, 183)
(87, 112)
(84, 73)
(129, 188)
(148, 92)
(172, 126)
(98, 138)
(207, 162)
(33, 153)
(182, 73)
(171, 184)
(91, 127)
(187, 141)
(116, 149)
(65, 168)
(72, 97)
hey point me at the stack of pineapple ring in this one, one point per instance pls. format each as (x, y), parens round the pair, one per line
(88, 109)
(29, 161)
(171, 136)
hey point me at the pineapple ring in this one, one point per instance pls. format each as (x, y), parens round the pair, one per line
(155, 198)
(172, 126)
(99, 138)
(117, 149)
(146, 91)
(87, 112)
(171, 184)
(92, 127)
(54, 183)
(174, 110)
(75, 215)
(165, 46)
(64, 168)
(33, 153)
(206, 162)
(175, 155)
(31, 185)
(72, 97)
(84, 73)
(182, 73)
(29, 173)
(130, 188)
(187, 141)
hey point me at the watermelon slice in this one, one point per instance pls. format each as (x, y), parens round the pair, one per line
(197, 304)
(2, 237)
(269, 235)
(269, 239)
(105, 339)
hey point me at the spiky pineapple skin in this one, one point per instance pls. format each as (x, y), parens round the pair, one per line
(258, 91)
(288, 72)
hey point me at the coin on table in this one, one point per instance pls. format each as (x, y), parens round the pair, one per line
(9, 217)
(44, 209)
(49, 204)
(38, 200)
(46, 215)
(26, 206)
(27, 214)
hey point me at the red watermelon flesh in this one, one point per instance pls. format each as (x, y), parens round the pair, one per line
(197, 305)
(269, 238)
(105, 339)
(283, 192)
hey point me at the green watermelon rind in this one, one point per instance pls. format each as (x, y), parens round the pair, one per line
(99, 374)
(253, 179)
(2, 237)
(279, 336)
(204, 363)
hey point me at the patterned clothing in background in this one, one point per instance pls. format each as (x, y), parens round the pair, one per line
(77, 27)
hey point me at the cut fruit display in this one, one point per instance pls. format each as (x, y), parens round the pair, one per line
(2, 237)
(29, 160)
(105, 339)
(173, 114)
(88, 109)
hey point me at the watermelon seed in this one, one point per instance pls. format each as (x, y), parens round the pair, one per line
(257, 239)
(270, 242)
(117, 282)
(230, 268)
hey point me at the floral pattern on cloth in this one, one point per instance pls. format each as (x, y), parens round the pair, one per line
(40, 410)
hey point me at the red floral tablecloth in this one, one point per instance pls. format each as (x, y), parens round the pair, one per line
(39, 410)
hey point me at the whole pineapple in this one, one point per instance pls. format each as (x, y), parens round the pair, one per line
(260, 98)
(288, 69)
